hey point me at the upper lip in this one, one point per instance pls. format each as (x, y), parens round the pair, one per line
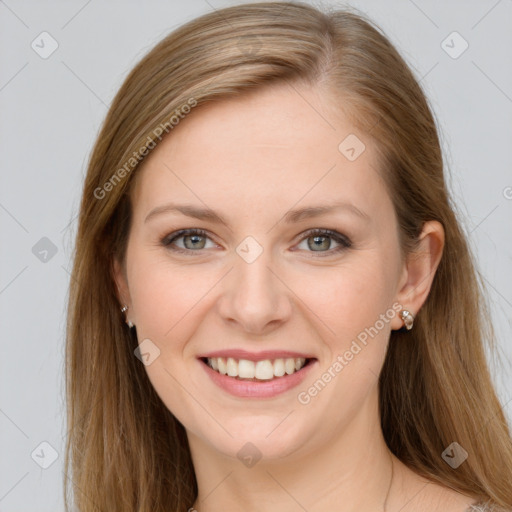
(256, 356)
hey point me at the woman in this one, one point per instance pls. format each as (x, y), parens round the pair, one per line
(273, 306)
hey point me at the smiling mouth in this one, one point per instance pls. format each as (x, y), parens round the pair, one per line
(265, 370)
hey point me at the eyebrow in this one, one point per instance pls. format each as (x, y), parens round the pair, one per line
(292, 216)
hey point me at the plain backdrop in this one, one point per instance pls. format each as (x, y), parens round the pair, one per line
(51, 108)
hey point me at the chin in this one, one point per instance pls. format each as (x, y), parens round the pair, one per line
(258, 438)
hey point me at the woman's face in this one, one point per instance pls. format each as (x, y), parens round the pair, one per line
(261, 285)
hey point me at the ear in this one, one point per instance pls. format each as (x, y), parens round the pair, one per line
(119, 275)
(419, 270)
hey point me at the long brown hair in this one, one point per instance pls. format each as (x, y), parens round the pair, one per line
(125, 449)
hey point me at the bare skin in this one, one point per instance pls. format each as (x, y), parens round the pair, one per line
(252, 159)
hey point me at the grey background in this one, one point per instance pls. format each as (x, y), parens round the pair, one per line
(51, 111)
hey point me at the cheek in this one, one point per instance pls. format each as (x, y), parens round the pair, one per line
(170, 304)
(356, 306)
(351, 297)
(168, 299)
(163, 301)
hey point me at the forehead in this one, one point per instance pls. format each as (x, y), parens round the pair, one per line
(270, 149)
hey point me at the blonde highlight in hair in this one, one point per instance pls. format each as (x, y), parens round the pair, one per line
(125, 450)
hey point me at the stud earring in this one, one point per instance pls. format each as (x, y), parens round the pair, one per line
(129, 322)
(407, 318)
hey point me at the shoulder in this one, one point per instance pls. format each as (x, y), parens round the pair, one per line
(420, 494)
(443, 499)
(478, 507)
(485, 507)
(417, 493)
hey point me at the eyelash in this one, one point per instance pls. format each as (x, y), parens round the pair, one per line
(344, 241)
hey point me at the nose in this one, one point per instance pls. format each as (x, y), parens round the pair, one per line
(254, 297)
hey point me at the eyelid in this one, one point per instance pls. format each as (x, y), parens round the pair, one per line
(339, 238)
(331, 233)
(167, 240)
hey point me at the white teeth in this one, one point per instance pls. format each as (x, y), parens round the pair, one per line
(264, 370)
(221, 362)
(261, 370)
(232, 367)
(246, 369)
(289, 366)
(279, 367)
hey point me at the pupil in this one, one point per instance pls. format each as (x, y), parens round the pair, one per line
(195, 239)
(318, 240)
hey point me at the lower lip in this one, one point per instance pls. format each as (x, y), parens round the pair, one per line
(254, 389)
